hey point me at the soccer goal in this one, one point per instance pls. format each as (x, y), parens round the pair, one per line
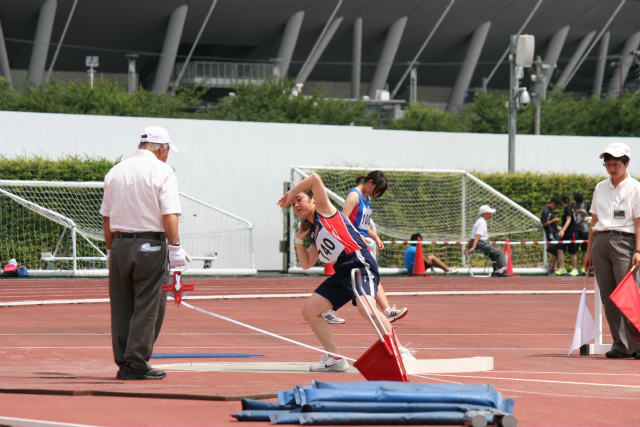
(442, 206)
(55, 228)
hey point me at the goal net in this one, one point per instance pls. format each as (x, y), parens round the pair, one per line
(441, 205)
(55, 228)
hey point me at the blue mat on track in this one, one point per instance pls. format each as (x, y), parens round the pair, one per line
(201, 355)
(383, 402)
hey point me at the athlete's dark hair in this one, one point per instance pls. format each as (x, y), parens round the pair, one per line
(379, 180)
(579, 198)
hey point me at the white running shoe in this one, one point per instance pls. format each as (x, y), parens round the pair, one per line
(394, 313)
(332, 317)
(407, 353)
(329, 364)
(453, 270)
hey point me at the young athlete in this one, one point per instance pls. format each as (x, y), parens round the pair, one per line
(333, 240)
(357, 207)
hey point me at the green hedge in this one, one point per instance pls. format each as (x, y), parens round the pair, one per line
(533, 191)
(69, 168)
(530, 190)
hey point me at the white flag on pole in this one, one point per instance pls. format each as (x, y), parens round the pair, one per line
(586, 329)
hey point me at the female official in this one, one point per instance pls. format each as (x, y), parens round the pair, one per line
(614, 243)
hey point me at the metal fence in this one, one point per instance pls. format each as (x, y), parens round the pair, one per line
(223, 74)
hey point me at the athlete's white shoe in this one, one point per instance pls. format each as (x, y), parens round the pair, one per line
(329, 364)
(332, 317)
(394, 313)
(407, 353)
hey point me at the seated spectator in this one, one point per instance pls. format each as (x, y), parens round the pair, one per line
(430, 261)
(480, 240)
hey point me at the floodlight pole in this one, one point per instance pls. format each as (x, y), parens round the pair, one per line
(513, 99)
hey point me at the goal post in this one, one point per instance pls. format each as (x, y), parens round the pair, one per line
(440, 204)
(55, 229)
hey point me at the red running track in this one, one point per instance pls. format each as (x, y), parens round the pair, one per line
(57, 363)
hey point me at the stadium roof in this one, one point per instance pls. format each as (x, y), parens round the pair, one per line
(251, 31)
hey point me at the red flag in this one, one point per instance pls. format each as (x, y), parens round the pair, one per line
(627, 297)
(507, 254)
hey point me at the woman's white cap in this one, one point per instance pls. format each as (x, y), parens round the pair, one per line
(617, 149)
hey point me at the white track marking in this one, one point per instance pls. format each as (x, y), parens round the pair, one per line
(632, 387)
(300, 295)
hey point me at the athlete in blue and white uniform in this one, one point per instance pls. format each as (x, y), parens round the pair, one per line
(357, 207)
(333, 239)
(360, 216)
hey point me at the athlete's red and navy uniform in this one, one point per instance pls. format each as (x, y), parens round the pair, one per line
(339, 242)
(361, 215)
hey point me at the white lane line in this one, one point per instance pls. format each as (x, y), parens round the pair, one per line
(299, 295)
(633, 387)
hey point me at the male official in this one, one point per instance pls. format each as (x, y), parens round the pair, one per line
(140, 212)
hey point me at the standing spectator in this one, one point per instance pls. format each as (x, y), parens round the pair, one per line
(140, 212)
(430, 261)
(582, 228)
(480, 240)
(614, 243)
(550, 224)
(568, 232)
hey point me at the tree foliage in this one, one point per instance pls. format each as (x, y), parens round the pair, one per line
(276, 101)
(105, 98)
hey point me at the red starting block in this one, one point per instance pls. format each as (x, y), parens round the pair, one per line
(177, 289)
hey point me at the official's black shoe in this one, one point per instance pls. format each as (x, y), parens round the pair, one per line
(500, 274)
(615, 354)
(636, 355)
(137, 374)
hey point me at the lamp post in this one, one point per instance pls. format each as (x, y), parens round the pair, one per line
(92, 63)
(513, 93)
(520, 55)
(132, 76)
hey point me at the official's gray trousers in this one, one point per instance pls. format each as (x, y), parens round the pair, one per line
(136, 276)
(496, 255)
(611, 256)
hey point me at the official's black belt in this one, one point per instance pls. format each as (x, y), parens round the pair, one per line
(617, 233)
(144, 235)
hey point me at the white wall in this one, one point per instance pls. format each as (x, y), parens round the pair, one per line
(240, 166)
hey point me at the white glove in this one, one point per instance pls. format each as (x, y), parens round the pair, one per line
(178, 257)
(370, 243)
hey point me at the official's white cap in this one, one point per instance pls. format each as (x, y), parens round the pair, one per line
(617, 149)
(157, 134)
(486, 209)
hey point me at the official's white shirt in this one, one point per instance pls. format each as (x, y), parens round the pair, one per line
(480, 227)
(138, 191)
(616, 207)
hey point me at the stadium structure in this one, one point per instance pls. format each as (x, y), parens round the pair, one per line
(433, 51)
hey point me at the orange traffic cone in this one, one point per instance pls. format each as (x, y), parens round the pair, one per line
(507, 253)
(418, 262)
(328, 269)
